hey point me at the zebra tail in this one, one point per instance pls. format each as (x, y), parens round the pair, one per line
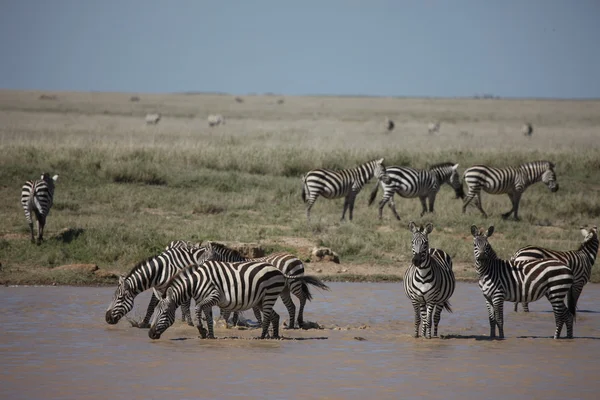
(306, 291)
(446, 305)
(304, 189)
(374, 193)
(307, 280)
(571, 303)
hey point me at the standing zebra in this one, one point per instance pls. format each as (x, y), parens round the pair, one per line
(424, 184)
(333, 184)
(527, 281)
(155, 272)
(580, 261)
(287, 263)
(231, 286)
(429, 281)
(511, 180)
(36, 198)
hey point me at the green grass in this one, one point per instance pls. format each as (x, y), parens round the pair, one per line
(125, 190)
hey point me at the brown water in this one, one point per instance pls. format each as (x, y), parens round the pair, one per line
(55, 344)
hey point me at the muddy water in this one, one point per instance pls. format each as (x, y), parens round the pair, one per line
(55, 344)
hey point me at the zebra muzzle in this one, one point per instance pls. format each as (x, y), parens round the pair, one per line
(152, 334)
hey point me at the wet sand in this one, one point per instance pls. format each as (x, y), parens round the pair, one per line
(56, 344)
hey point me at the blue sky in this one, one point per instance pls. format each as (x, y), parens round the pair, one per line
(510, 48)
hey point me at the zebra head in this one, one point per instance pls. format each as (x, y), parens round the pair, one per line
(549, 178)
(482, 250)
(380, 172)
(122, 302)
(164, 313)
(455, 182)
(420, 243)
(49, 180)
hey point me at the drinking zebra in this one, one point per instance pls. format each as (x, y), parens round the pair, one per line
(154, 272)
(37, 197)
(510, 180)
(580, 261)
(333, 184)
(233, 287)
(527, 281)
(429, 281)
(422, 183)
(287, 263)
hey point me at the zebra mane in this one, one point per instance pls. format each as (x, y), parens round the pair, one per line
(220, 247)
(441, 165)
(141, 263)
(176, 275)
(543, 163)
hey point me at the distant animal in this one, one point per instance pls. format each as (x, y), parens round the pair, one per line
(527, 129)
(287, 263)
(580, 261)
(347, 183)
(509, 180)
(134, 99)
(429, 281)
(518, 282)
(433, 127)
(47, 97)
(390, 124)
(154, 272)
(239, 100)
(37, 199)
(152, 119)
(233, 287)
(216, 119)
(423, 183)
(280, 101)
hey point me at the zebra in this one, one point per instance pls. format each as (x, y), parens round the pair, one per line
(511, 180)
(153, 272)
(580, 261)
(527, 129)
(182, 244)
(429, 281)
(333, 184)
(216, 119)
(152, 119)
(37, 198)
(526, 281)
(231, 286)
(410, 182)
(287, 263)
(433, 127)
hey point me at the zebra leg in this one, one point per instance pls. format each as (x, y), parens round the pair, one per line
(297, 291)
(468, 198)
(146, 322)
(499, 315)
(291, 307)
(258, 314)
(516, 201)
(41, 223)
(346, 203)
(31, 230)
(423, 204)
(417, 308)
(423, 310)
(478, 204)
(392, 206)
(275, 324)
(201, 329)
(383, 202)
(309, 204)
(436, 319)
(577, 289)
(525, 307)
(209, 321)
(492, 318)
(432, 201)
(428, 320)
(186, 315)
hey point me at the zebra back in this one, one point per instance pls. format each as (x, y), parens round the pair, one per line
(447, 172)
(38, 194)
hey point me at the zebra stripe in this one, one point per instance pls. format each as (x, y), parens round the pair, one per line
(527, 281)
(333, 184)
(287, 263)
(37, 198)
(510, 180)
(231, 286)
(154, 272)
(182, 243)
(429, 281)
(410, 183)
(580, 261)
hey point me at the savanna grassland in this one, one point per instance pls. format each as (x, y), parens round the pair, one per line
(126, 189)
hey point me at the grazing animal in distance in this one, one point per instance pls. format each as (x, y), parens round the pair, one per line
(433, 127)
(429, 281)
(527, 129)
(37, 197)
(580, 261)
(152, 119)
(423, 183)
(518, 282)
(333, 184)
(509, 180)
(390, 124)
(215, 120)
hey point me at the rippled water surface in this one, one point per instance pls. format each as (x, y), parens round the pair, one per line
(55, 344)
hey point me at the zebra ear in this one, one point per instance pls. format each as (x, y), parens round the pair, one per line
(428, 228)
(490, 231)
(380, 161)
(54, 178)
(454, 167)
(412, 227)
(474, 230)
(584, 232)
